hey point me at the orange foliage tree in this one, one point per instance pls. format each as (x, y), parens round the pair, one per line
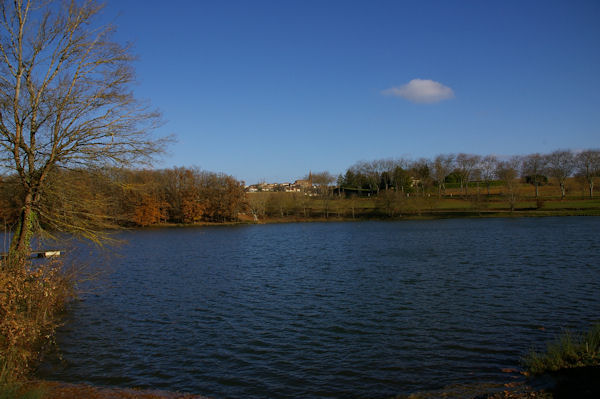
(150, 210)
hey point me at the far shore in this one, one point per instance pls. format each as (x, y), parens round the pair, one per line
(436, 215)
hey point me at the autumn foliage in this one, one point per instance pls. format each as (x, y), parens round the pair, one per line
(149, 210)
(102, 199)
(31, 297)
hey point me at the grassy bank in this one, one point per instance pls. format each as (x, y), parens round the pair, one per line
(568, 351)
(269, 207)
(343, 209)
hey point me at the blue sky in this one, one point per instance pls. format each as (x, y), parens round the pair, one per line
(268, 90)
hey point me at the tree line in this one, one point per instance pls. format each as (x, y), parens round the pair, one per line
(394, 187)
(86, 201)
(421, 175)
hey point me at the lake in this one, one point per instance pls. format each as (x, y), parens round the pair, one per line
(357, 310)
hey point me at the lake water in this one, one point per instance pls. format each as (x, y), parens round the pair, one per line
(357, 310)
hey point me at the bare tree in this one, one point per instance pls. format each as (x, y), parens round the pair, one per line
(533, 168)
(508, 172)
(323, 180)
(441, 168)
(588, 166)
(391, 202)
(465, 166)
(488, 167)
(421, 171)
(352, 202)
(561, 165)
(66, 101)
(385, 169)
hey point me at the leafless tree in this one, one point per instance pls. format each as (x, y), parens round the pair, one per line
(561, 165)
(488, 167)
(588, 166)
(533, 168)
(421, 171)
(323, 180)
(508, 173)
(391, 202)
(66, 102)
(465, 166)
(385, 169)
(352, 202)
(441, 168)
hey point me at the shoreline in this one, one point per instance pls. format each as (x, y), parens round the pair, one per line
(515, 389)
(436, 215)
(580, 382)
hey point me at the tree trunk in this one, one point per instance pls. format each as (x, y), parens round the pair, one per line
(20, 246)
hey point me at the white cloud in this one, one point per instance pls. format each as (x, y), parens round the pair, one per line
(422, 91)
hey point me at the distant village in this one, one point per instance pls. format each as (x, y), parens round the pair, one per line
(313, 185)
(304, 185)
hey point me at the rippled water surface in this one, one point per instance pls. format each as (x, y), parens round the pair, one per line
(366, 309)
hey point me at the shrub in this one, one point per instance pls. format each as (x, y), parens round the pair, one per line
(32, 295)
(567, 351)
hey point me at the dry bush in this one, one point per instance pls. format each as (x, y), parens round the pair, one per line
(32, 297)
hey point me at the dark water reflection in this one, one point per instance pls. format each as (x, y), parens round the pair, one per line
(369, 309)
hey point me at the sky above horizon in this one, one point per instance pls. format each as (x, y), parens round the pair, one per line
(270, 90)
